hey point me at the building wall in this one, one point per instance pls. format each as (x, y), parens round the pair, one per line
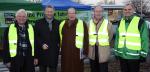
(95, 2)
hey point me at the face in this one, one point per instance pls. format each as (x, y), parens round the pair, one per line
(49, 13)
(110, 12)
(98, 12)
(71, 14)
(21, 18)
(128, 11)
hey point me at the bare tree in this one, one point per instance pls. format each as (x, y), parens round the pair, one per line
(141, 6)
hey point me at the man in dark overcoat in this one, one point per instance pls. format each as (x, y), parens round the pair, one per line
(47, 41)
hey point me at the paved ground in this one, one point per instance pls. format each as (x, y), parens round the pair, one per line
(3, 68)
(113, 67)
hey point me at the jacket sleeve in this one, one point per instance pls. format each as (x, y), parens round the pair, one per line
(116, 37)
(86, 41)
(35, 45)
(110, 34)
(116, 41)
(5, 52)
(38, 41)
(58, 36)
(144, 39)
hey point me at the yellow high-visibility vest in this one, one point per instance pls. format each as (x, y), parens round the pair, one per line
(79, 33)
(130, 37)
(102, 34)
(12, 37)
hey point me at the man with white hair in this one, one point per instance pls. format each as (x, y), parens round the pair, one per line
(100, 35)
(18, 44)
(73, 34)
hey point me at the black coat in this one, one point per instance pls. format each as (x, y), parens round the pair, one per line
(17, 60)
(51, 38)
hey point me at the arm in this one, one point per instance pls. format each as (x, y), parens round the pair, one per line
(144, 39)
(116, 37)
(37, 40)
(35, 49)
(58, 35)
(6, 53)
(110, 34)
(86, 41)
(35, 44)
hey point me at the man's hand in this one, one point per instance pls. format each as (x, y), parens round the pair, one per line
(45, 46)
(35, 61)
(142, 59)
(8, 64)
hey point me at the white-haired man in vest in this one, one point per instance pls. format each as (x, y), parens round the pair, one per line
(18, 44)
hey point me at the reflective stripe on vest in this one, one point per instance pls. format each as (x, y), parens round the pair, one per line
(130, 38)
(79, 33)
(12, 37)
(103, 37)
(60, 30)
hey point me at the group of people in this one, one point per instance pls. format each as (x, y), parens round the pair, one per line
(26, 46)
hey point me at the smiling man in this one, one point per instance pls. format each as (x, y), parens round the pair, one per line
(47, 40)
(73, 34)
(100, 36)
(18, 44)
(131, 43)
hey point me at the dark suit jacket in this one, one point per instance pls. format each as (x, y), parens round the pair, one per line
(51, 38)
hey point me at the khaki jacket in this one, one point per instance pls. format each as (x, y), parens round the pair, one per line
(103, 51)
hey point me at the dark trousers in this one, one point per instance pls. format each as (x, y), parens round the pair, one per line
(23, 66)
(96, 66)
(47, 69)
(129, 65)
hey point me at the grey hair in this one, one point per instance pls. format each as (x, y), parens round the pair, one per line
(50, 6)
(21, 11)
(99, 7)
(130, 5)
(71, 8)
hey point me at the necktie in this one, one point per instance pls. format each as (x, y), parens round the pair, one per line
(50, 26)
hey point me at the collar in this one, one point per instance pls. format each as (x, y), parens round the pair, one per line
(100, 20)
(49, 20)
(128, 18)
(16, 24)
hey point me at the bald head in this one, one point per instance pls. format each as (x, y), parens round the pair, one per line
(71, 10)
(71, 13)
(98, 12)
(98, 8)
